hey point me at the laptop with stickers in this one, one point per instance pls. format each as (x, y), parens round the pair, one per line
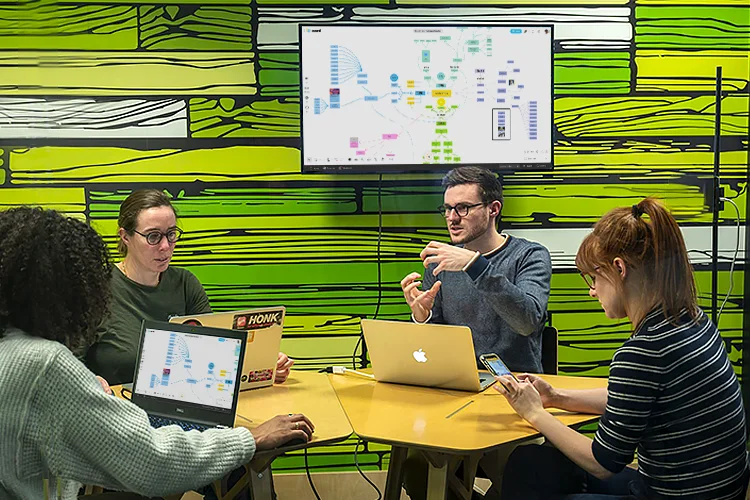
(263, 327)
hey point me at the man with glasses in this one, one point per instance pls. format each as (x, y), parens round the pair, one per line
(494, 283)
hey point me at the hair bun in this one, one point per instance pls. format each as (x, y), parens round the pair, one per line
(637, 212)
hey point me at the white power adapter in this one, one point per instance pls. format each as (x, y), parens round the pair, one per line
(342, 370)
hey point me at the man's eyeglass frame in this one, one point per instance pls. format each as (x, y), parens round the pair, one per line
(461, 209)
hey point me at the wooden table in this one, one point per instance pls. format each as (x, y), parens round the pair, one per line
(303, 392)
(448, 427)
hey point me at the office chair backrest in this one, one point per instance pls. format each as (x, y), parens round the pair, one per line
(549, 350)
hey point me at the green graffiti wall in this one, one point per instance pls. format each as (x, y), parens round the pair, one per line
(200, 98)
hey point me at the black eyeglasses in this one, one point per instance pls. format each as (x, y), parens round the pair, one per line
(154, 237)
(462, 209)
(590, 279)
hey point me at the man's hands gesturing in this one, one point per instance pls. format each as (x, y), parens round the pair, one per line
(420, 302)
(447, 257)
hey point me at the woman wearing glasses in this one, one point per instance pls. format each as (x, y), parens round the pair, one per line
(672, 396)
(145, 286)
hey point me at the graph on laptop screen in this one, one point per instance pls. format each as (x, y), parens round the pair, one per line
(392, 98)
(186, 367)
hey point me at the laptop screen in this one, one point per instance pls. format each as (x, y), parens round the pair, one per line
(188, 367)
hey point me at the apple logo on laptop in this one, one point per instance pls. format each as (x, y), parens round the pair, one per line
(420, 356)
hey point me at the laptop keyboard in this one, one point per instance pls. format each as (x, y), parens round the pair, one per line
(157, 422)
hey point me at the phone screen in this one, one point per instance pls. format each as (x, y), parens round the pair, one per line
(495, 366)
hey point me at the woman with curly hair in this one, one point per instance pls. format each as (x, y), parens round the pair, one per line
(145, 286)
(672, 396)
(56, 421)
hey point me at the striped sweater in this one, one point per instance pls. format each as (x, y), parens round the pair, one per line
(56, 421)
(674, 397)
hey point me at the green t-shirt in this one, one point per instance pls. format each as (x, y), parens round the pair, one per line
(178, 293)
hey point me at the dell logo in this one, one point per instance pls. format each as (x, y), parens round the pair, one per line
(420, 356)
(180, 410)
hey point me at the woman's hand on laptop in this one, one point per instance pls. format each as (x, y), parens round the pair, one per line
(281, 429)
(283, 365)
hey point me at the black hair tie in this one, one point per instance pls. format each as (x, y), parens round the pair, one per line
(637, 212)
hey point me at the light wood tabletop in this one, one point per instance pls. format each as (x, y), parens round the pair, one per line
(447, 428)
(444, 420)
(309, 393)
(303, 392)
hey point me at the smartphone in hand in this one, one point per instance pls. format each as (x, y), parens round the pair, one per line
(495, 366)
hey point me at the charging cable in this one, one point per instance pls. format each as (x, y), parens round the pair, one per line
(309, 477)
(356, 462)
(361, 338)
(342, 370)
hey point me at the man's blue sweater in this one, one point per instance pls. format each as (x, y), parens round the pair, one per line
(502, 297)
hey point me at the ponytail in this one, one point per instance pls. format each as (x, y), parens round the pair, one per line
(647, 238)
(672, 273)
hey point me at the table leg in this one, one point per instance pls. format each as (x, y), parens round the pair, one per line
(437, 479)
(395, 478)
(471, 463)
(221, 486)
(261, 483)
(465, 486)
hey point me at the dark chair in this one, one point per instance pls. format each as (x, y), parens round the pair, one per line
(549, 350)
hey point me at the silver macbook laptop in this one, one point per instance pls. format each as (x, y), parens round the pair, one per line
(424, 354)
(188, 375)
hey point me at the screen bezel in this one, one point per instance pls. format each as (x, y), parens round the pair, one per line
(425, 167)
(184, 409)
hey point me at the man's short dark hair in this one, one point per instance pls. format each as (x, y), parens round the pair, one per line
(54, 276)
(490, 188)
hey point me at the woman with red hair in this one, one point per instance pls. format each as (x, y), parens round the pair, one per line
(672, 394)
